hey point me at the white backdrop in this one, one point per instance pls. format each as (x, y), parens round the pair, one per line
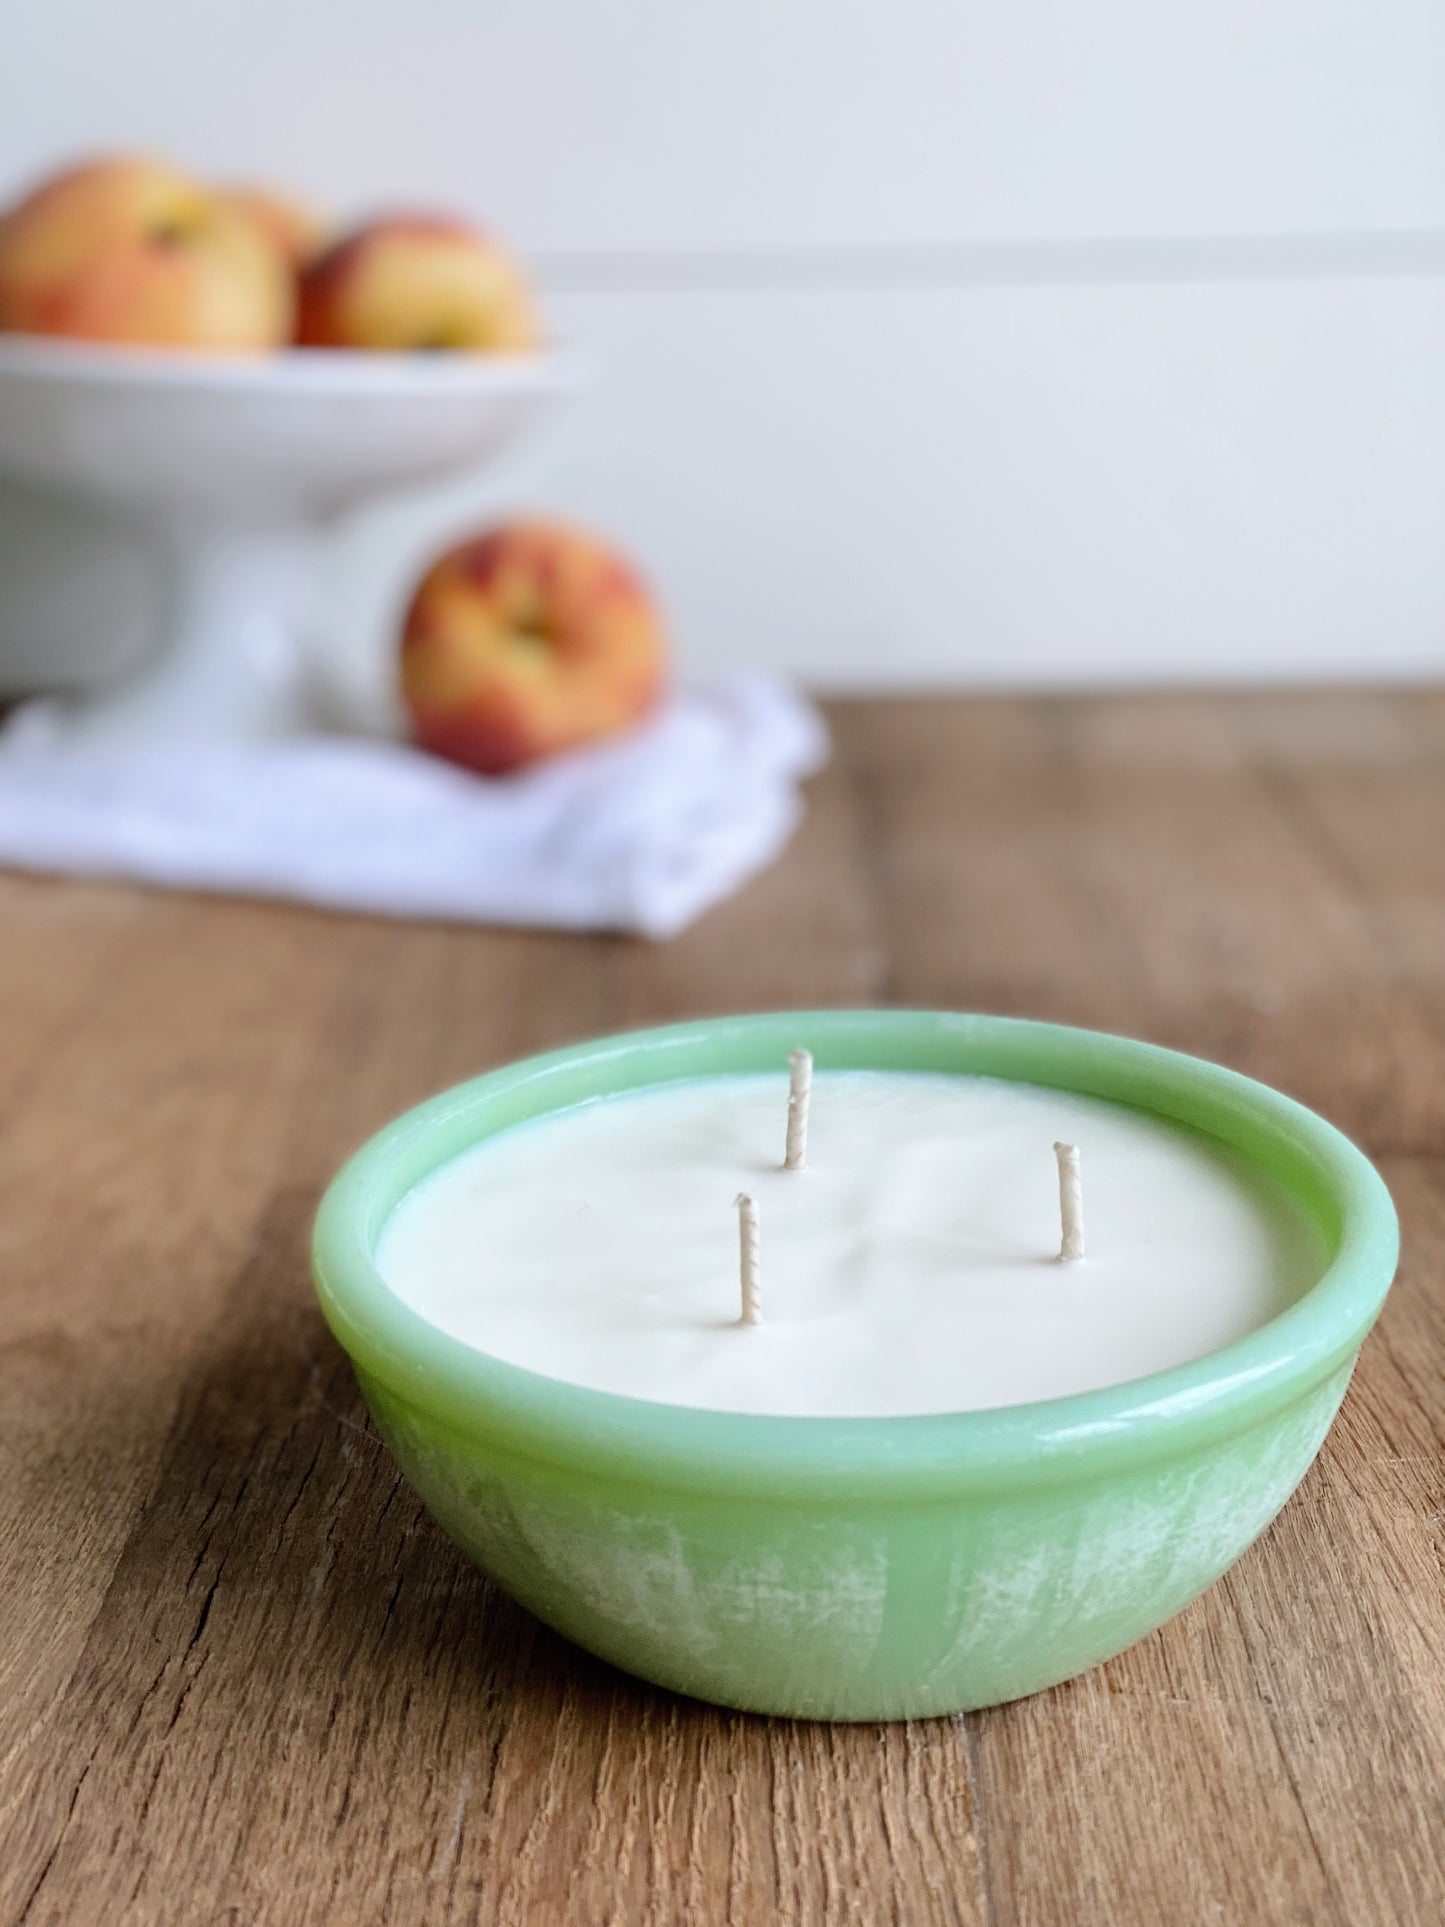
(924, 340)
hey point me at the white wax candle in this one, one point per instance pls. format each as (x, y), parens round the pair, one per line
(911, 1267)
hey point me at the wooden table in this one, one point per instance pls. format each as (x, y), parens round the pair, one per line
(243, 1679)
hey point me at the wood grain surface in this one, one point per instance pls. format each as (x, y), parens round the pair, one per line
(243, 1679)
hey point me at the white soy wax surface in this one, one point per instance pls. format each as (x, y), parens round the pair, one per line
(911, 1267)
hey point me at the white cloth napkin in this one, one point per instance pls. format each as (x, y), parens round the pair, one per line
(640, 834)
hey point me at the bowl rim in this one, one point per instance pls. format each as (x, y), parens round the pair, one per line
(1048, 1442)
(287, 370)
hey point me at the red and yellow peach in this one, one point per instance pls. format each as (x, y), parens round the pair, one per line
(527, 640)
(416, 282)
(295, 231)
(128, 250)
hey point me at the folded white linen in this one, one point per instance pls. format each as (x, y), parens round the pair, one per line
(642, 833)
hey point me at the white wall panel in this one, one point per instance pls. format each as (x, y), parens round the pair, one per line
(602, 125)
(1000, 485)
(934, 340)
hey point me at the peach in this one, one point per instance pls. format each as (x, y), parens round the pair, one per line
(416, 282)
(527, 640)
(128, 250)
(297, 232)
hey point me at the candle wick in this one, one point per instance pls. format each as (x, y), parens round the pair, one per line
(1071, 1203)
(800, 1090)
(751, 1276)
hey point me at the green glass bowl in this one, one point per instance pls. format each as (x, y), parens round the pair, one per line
(860, 1568)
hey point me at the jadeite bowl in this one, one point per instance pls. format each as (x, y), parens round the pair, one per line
(860, 1568)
